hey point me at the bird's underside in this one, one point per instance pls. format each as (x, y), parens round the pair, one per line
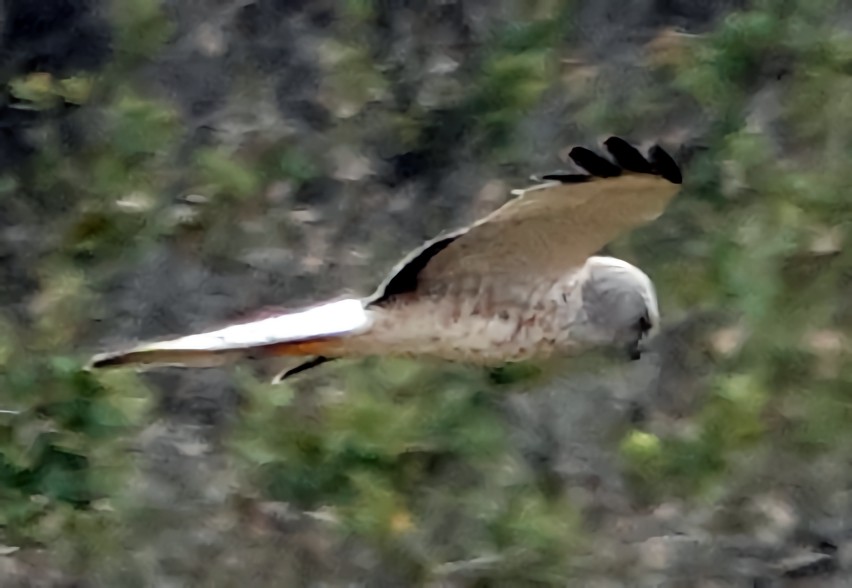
(522, 283)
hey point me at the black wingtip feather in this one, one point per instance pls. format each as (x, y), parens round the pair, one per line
(594, 163)
(627, 156)
(565, 178)
(665, 165)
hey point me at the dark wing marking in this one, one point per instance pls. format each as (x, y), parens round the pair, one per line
(404, 278)
(311, 363)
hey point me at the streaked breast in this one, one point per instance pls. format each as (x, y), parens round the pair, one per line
(478, 321)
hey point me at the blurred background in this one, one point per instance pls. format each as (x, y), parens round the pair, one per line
(166, 165)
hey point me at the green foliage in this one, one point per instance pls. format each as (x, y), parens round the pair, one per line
(360, 10)
(371, 458)
(114, 180)
(41, 90)
(354, 81)
(223, 175)
(63, 449)
(295, 166)
(732, 421)
(316, 457)
(396, 452)
(511, 74)
(141, 127)
(516, 70)
(141, 28)
(773, 389)
(733, 57)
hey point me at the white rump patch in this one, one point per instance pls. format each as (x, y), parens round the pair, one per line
(325, 320)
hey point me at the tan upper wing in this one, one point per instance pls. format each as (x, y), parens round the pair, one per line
(551, 227)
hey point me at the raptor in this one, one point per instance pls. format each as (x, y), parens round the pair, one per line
(522, 283)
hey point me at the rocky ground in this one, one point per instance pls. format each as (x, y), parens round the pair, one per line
(362, 129)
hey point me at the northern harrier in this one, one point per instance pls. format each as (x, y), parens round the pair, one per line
(523, 283)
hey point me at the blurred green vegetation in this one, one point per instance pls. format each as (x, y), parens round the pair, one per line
(411, 450)
(772, 268)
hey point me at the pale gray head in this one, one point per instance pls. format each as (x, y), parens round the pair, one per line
(620, 303)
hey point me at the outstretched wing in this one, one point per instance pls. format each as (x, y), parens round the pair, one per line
(308, 332)
(550, 227)
(548, 230)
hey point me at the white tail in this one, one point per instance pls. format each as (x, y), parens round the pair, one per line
(304, 332)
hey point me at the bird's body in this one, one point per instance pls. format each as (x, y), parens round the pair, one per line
(488, 321)
(520, 284)
(476, 322)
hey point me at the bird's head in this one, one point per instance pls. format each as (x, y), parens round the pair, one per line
(620, 302)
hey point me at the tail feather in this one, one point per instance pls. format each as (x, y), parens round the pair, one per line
(309, 332)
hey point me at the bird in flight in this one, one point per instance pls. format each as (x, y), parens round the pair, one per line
(523, 283)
